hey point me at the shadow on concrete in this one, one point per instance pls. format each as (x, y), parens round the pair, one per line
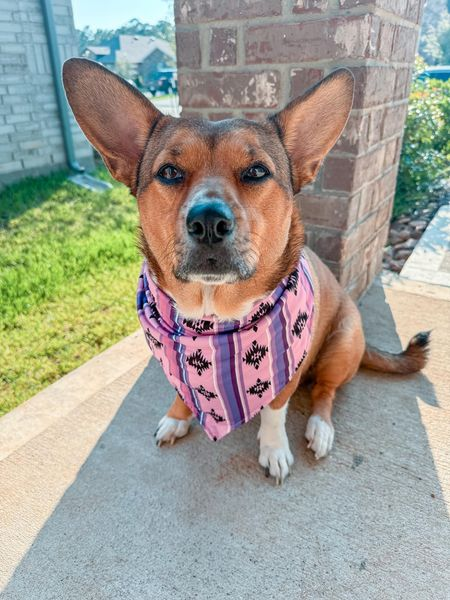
(199, 520)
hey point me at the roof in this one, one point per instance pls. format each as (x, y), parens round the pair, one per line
(99, 50)
(438, 68)
(133, 49)
(441, 72)
(163, 46)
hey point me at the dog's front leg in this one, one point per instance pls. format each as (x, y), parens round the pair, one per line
(175, 423)
(274, 452)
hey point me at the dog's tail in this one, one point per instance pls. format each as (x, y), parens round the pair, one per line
(411, 360)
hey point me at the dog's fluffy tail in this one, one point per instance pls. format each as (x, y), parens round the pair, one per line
(411, 360)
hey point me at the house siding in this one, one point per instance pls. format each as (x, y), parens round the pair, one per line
(31, 139)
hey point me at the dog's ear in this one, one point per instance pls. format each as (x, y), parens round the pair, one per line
(114, 116)
(310, 125)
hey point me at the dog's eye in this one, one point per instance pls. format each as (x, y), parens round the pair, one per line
(255, 173)
(170, 174)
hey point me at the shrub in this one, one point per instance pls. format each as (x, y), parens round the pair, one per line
(425, 157)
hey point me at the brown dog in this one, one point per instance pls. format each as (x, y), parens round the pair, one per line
(255, 169)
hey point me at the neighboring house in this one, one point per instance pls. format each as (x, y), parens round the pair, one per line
(98, 53)
(31, 133)
(159, 59)
(133, 56)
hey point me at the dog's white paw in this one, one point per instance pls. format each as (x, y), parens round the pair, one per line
(277, 461)
(274, 453)
(170, 429)
(320, 436)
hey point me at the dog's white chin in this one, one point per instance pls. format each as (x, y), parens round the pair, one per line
(212, 279)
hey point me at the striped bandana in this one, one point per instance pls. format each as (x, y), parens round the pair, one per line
(227, 371)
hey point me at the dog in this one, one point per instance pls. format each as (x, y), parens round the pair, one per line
(220, 229)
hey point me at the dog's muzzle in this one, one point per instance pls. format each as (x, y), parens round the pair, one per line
(211, 254)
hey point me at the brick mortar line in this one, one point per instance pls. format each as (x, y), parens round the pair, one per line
(374, 148)
(366, 184)
(367, 216)
(286, 8)
(310, 64)
(267, 111)
(348, 261)
(362, 246)
(354, 192)
(355, 112)
(294, 18)
(392, 104)
(333, 153)
(285, 86)
(346, 233)
(393, 18)
(205, 48)
(240, 46)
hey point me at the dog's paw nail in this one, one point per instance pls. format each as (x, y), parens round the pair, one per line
(267, 472)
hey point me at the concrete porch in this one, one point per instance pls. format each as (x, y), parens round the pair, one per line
(92, 509)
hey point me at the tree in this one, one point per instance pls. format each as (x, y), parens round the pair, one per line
(434, 45)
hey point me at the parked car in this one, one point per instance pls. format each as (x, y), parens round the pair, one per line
(441, 72)
(163, 80)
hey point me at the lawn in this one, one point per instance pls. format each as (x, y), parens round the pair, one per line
(68, 272)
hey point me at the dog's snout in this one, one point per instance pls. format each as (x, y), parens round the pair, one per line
(210, 222)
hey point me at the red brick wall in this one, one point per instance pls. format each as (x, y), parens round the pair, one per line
(250, 57)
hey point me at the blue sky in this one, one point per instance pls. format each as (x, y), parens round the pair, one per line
(99, 14)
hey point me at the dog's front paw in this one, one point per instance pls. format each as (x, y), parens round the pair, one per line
(320, 436)
(170, 429)
(274, 453)
(276, 461)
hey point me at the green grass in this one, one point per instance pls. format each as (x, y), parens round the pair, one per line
(68, 273)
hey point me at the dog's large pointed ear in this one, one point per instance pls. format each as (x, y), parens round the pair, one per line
(310, 125)
(114, 116)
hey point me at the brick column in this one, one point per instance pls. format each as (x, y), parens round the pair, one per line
(250, 57)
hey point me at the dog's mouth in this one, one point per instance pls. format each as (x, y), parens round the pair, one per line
(214, 267)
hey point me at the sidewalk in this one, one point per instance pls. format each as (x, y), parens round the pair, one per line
(92, 509)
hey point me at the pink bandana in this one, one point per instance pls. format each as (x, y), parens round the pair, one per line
(227, 371)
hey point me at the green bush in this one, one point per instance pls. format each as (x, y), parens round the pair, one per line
(425, 157)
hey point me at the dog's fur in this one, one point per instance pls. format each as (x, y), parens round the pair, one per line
(136, 140)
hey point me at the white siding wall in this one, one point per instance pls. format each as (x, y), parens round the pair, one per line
(30, 131)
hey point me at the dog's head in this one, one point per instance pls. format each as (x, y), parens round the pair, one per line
(216, 199)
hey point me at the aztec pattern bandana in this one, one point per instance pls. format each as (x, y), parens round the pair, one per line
(227, 371)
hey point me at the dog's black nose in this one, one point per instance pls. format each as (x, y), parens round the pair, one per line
(210, 222)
